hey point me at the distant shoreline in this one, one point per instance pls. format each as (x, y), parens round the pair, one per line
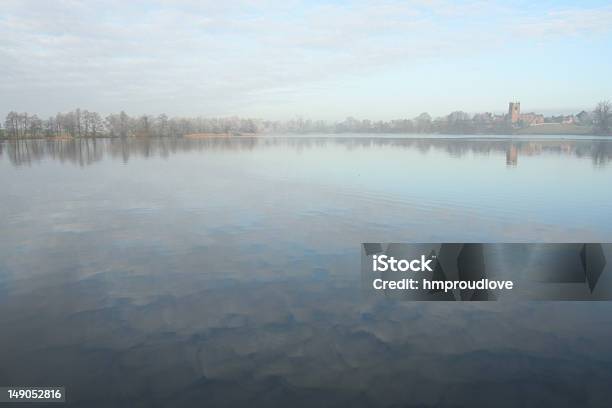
(208, 136)
(194, 136)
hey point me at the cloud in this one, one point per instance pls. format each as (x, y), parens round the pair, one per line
(215, 57)
(566, 22)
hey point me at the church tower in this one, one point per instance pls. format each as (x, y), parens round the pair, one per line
(514, 111)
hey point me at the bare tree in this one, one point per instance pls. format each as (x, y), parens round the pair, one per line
(96, 125)
(162, 125)
(12, 124)
(602, 118)
(78, 122)
(35, 126)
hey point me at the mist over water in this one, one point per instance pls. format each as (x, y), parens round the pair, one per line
(226, 271)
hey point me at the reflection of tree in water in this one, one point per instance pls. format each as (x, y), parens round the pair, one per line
(87, 151)
(601, 152)
(78, 151)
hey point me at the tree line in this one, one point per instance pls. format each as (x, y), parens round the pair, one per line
(598, 121)
(83, 123)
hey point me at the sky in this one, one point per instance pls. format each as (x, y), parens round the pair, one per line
(322, 60)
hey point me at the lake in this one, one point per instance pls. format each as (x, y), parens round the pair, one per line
(226, 271)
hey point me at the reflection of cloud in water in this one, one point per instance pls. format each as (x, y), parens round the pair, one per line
(184, 337)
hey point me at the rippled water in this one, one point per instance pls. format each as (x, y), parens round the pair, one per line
(225, 272)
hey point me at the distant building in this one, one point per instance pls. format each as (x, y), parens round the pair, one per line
(531, 118)
(517, 118)
(584, 118)
(514, 112)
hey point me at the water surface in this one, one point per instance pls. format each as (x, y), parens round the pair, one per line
(172, 272)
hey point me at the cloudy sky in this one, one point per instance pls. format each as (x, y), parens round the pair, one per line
(279, 59)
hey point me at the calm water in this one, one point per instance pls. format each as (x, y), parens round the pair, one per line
(225, 272)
